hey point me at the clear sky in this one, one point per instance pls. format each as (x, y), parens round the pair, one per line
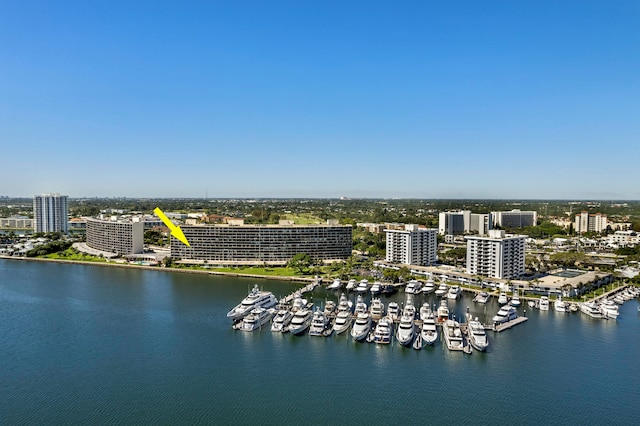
(428, 99)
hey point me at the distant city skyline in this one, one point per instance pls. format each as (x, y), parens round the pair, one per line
(426, 100)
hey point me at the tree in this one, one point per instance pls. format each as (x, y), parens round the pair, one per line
(300, 263)
(167, 261)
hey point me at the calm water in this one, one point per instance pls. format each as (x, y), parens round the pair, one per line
(88, 344)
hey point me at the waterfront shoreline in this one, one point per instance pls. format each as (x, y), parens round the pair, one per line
(161, 269)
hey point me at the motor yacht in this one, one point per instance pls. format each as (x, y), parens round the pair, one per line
(482, 297)
(344, 304)
(502, 299)
(362, 287)
(609, 309)
(301, 321)
(255, 299)
(361, 326)
(335, 285)
(574, 307)
(515, 299)
(281, 321)
(319, 323)
(376, 288)
(393, 311)
(443, 311)
(383, 331)
(559, 305)
(477, 335)
(428, 287)
(454, 292)
(506, 313)
(351, 285)
(425, 310)
(388, 289)
(377, 309)
(618, 299)
(442, 289)
(531, 304)
(343, 322)
(330, 308)
(298, 303)
(429, 330)
(360, 306)
(256, 319)
(405, 331)
(413, 287)
(544, 303)
(452, 335)
(591, 309)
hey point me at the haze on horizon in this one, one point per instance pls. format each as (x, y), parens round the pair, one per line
(321, 100)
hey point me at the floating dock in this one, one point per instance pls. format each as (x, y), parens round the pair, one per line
(507, 325)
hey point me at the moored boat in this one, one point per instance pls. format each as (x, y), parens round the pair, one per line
(429, 331)
(281, 320)
(503, 299)
(452, 335)
(319, 323)
(377, 309)
(301, 321)
(361, 326)
(591, 309)
(256, 319)
(477, 335)
(454, 292)
(335, 285)
(515, 299)
(413, 287)
(255, 299)
(544, 303)
(482, 297)
(428, 287)
(442, 289)
(443, 311)
(506, 313)
(559, 305)
(393, 311)
(383, 331)
(362, 287)
(343, 322)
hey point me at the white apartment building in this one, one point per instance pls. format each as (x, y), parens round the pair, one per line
(586, 222)
(412, 245)
(498, 255)
(50, 213)
(514, 218)
(116, 236)
(624, 238)
(464, 222)
(17, 222)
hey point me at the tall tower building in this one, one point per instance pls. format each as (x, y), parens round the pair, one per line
(50, 213)
(499, 255)
(412, 245)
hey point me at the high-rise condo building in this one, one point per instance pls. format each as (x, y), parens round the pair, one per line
(121, 237)
(498, 255)
(586, 222)
(464, 222)
(412, 245)
(514, 219)
(50, 213)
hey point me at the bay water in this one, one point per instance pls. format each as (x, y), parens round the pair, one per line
(83, 344)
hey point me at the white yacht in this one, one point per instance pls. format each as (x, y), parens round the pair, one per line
(318, 324)
(609, 309)
(335, 285)
(362, 287)
(452, 335)
(409, 307)
(429, 330)
(544, 303)
(298, 303)
(405, 331)
(482, 297)
(428, 287)
(413, 287)
(425, 310)
(361, 327)
(256, 319)
(377, 309)
(443, 311)
(454, 292)
(376, 288)
(255, 299)
(442, 289)
(382, 332)
(515, 299)
(506, 313)
(361, 306)
(343, 322)
(477, 335)
(502, 299)
(330, 308)
(591, 309)
(393, 311)
(351, 285)
(281, 321)
(344, 304)
(301, 321)
(560, 305)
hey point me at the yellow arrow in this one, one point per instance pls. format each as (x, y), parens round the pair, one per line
(175, 230)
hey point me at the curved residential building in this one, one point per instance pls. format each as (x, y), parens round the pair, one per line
(119, 237)
(255, 244)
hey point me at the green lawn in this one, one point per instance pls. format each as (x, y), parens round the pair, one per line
(71, 254)
(303, 219)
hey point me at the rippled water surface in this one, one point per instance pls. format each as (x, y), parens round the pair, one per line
(89, 344)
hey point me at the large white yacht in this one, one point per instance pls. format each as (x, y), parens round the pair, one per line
(442, 289)
(382, 332)
(361, 327)
(413, 287)
(281, 321)
(544, 303)
(361, 306)
(515, 299)
(452, 335)
(344, 304)
(377, 309)
(256, 319)
(376, 287)
(343, 322)
(428, 287)
(255, 299)
(454, 292)
(443, 311)
(477, 335)
(482, 297)
(429, 330)
(362, 287)
(351, 285)
(301, 321)
(425, 310)
(560, 305)
(502, 299)
(405, 331)
(335, 285)
(609, 309)
(506, 313)
(591, 309)
(393, 311)
(319, 323)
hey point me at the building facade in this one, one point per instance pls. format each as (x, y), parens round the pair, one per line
(257, 244)
(412, 245)
(586, 222)
(119, 237)
(514, 219)
(16, 223)
(464, 222)
(498, 255)
(50, 213)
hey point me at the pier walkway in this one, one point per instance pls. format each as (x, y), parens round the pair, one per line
(306, 289)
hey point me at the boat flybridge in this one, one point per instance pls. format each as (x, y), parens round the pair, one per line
(256, 319)
(506, 313)
(377, 309)
(429, 330)
(255, 299)
(454, 292)
(382, 332)
(544, 303)
(452, 335)
(281, 321)
(406, 331)
(301, 321)
(477, 335)
(443, 311)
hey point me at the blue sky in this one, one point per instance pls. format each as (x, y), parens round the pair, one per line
(465, 99)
